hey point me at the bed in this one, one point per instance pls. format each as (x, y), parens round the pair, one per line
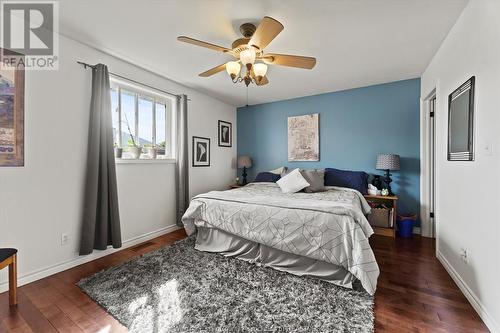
(322, 235)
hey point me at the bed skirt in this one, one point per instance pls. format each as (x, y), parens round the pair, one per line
(214, 240)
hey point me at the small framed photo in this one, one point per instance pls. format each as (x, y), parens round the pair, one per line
(225, 134)
(201, 151)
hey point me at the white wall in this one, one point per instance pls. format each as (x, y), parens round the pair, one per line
(42, 200)
(468, 193)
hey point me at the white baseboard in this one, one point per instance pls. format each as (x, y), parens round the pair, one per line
(489, 321)
(53, 269)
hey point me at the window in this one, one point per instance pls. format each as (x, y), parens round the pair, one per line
(142, 118)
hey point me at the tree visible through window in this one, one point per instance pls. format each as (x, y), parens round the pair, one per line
(141, 119)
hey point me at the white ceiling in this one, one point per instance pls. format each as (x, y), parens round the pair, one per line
(356, 42)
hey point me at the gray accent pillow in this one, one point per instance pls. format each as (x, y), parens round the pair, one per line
(316, 180)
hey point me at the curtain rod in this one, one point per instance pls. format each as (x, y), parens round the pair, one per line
(85, 65)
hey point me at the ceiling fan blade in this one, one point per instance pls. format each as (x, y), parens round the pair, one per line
(213, 71)
(201, 43)
(263, 81)
(267, 30)
(289, 60)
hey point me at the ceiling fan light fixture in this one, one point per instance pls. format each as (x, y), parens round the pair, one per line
(247, 79)
(250, 48)
(260, 69)
(233, 69)
(247, 57)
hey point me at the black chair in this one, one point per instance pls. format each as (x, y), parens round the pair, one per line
(8, 257)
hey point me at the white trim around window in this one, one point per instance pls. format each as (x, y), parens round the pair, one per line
(143, 117)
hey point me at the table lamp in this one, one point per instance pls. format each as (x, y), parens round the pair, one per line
(388, 162)
(244, 162)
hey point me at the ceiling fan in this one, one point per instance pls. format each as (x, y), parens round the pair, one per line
(249, 49)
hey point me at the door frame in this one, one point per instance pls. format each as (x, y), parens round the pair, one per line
(427, 228)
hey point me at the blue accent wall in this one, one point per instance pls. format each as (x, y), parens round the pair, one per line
(355, 125)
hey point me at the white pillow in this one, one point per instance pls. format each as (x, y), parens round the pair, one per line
(292, 182)
(280, 171)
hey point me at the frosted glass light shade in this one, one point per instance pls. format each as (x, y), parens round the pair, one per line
(233, 68)
(260, 69)
(247, 56)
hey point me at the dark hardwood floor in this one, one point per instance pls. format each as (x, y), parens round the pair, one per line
(415, 294)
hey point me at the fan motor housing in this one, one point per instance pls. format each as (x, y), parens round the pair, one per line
(241, 44)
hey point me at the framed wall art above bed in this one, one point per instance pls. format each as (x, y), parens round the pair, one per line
(11, 114)
(303, 138)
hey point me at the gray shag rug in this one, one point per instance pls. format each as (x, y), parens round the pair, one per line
(180, 289)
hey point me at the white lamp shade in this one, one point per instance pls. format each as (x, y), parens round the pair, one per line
(260, 69)
(244, 162)
(233, 68)
(247, 56)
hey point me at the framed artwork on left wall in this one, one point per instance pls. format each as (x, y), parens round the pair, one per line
(225, 134)
(11, 114)
(201, 152)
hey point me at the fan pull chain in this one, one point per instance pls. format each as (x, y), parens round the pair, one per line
(247, 95)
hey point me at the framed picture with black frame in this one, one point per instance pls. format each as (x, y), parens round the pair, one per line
(201, 152)
(225, 134)
(461, 122)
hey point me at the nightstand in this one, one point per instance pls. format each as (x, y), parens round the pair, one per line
(235, 186)
(390, 201)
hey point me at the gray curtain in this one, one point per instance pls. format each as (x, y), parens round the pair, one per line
(101, 219)
(182, 166)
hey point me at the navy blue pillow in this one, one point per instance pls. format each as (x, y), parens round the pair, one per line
(357, 180)
(268, 177)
